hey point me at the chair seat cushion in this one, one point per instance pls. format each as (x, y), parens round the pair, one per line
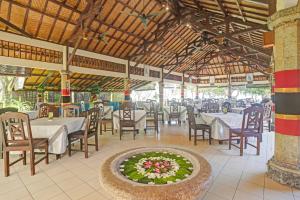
(202, 126)
(247, 132)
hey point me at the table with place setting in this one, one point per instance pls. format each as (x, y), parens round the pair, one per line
(221, 123)
(56, 130)
(140, 119)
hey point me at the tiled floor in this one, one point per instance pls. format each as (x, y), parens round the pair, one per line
(234, 177)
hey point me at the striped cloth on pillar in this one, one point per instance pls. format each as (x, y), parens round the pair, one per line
(287, 100)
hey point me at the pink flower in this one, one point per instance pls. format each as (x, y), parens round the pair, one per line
(157, 170)
(157, 164)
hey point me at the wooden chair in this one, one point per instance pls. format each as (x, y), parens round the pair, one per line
(152, 120)
(105, 118)
(268, 113)
(17, 136)
(193, 125)
(174, 112)
(251, 127)
(127, 119)
(91, 130)
(44, 110)
(71, 111)
(226, 105)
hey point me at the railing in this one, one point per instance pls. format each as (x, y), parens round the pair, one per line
(82, 61)
(23, 51)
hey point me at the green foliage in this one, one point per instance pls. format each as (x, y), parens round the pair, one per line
(130, 171)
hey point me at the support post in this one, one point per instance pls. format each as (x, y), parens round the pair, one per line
(182, 88)
(161, 89)
(284, 166)
(127, 83)
(65, 82)
(229, 87)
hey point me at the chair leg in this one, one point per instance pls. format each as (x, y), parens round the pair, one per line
(100, 127)
(80, 144)
(47, 154)
(6, 163)
(120, 134)
(96, 142)
(230, 140)
(209, 136)
(269, 125)
(24, 157)
(190, 134)
(241, 146)
(86, 155)
(32, 165)
(69, 146)
(195, 136)
(257, 146)
(203, 136)
(105, 127)
(246, 141)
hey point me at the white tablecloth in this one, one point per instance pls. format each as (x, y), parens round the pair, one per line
(56, 130)
(140, 119)
(182, 109)
(221, 123)
(33, 114)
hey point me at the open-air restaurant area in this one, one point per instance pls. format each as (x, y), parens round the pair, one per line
(149, 100)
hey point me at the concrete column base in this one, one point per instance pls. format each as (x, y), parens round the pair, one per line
(284, 173)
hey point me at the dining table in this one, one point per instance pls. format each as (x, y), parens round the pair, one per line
(33, 114)
(221, 123)
(140, 119)
(56, 130)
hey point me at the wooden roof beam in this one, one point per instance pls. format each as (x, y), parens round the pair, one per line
(14, 27)
(221, 7)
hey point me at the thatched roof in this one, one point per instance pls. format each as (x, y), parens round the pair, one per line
(207, 37)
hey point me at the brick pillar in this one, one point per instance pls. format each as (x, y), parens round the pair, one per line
(284, 166)
(65, 88)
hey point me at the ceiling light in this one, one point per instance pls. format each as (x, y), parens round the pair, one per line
(188, 25)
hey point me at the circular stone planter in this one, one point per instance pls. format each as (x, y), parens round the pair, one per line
(187, 189)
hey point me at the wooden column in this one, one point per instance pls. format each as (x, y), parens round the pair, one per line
(65, 82)
(229, 87)
(284, 166)
(182, 88)
(161, 89)
(127, 84)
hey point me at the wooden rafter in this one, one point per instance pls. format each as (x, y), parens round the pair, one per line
(14, 27)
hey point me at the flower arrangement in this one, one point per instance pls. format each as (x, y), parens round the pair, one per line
(156, 168)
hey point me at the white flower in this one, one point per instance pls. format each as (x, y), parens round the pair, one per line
(177, 180)
(186, 175)
(133, 156)
(121, 170)
(169, 182)
(126, 160)
(151, 183)
(121, 166)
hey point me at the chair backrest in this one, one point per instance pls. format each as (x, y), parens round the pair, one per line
(92, 121)
(267, 110)
(98, 105)
(44, 110)
(240, 103)
(191, 116)
(126, 115)
(226, 105)
(253, 119)
(71, 111)
(174, 107)
(15, 127)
